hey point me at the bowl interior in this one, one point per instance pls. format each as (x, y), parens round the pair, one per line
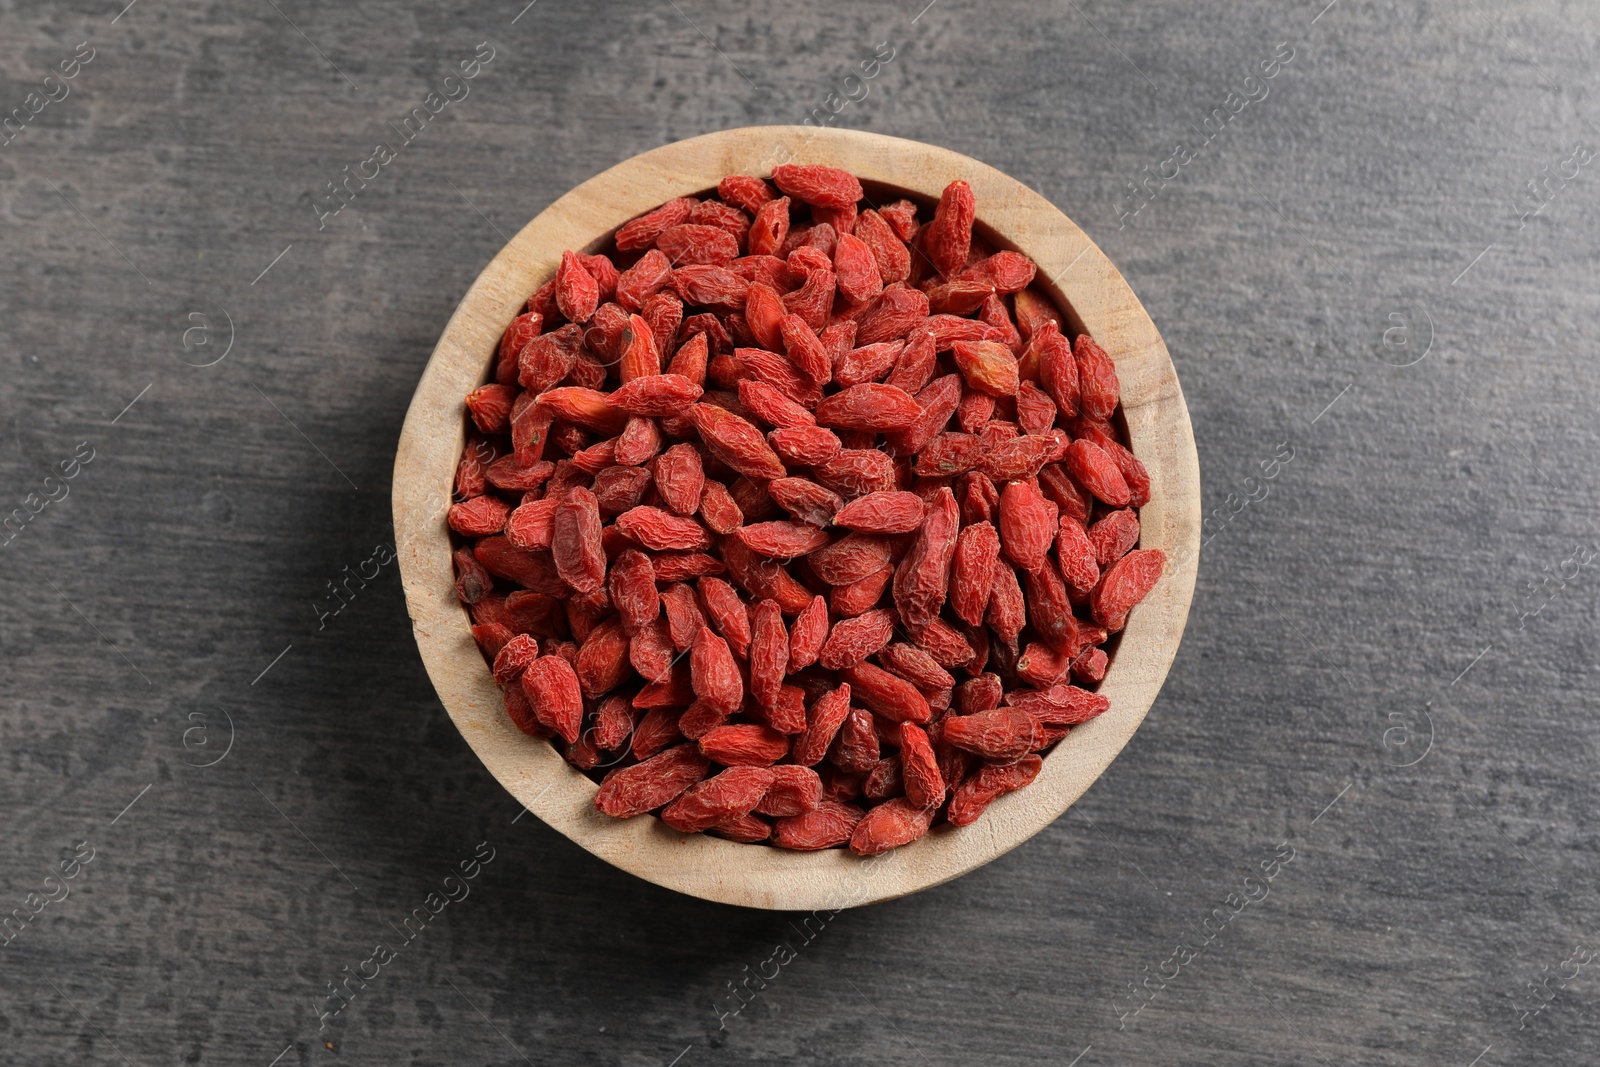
(1091, 294)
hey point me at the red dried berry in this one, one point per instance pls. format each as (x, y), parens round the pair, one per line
(949, 235)
(680, 478)
(973, 572)
(1114, 535)
(744, 745)
(807, 635)
(917, 666)
(853, 640)
(818, 185)
(1027, 524)
(479, 517)
(1097, 472)
(655, 395)
(919, 769)
(714, 673)
(769, 654)
(855, 748)
(646, 786)
(891, 824)
(987, 366)
(807, 501)
(1126, 583)
(642, 232)
(718, 509)
(883, 513)
(1076, 554)
(689, 243)
(633, 591)
(890, 696)
(1001, 734)
(580, 559)
(552, 689)
(736, 442)
(661, 530)
(992, 781)
(1097, 378)
(892, 315)
(781, 540)
(830, 825)
(726, 613)
(922, 580)
(794, 791)
(732, 793)
(577, 293)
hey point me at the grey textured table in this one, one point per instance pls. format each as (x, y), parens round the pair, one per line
(1384, 701)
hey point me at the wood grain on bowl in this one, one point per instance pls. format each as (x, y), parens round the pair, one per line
(1071, 269)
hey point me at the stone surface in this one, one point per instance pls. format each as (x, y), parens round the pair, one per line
(1367, 676)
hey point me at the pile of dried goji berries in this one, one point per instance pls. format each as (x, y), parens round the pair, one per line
(795, 521)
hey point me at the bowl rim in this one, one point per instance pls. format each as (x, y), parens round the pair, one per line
(1075, 273)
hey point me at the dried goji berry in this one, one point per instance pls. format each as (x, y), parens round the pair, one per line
(854, 472)
(689, 243)
(919, 769)
(781, 540)
(661, 530)
(633, 591)
(551, 686)
(805, 349)
(855, 748)
(807, 634)
(853, 640)
(829, 825)
(795, 790)
(973, 795)
(744, 745)
(577, 293)
(973, 571)
(1125, 584)
(727, 795)
(745, 191)
(726, 613)
(922, 580)
(891, 824)
(819, 185)
(714, 673)
(949, 235)
(850, 559)
(1001, 734)
(853, 598)
(892, 315)
(1027, 524)
(656, 730)
(736, 442)
(768, 653)
(655, 394)
(889, 695)
(1080, 567)
(807, 501)
(718, 509)
(889, 252)
(1113, 535)
(1097, 472)
(575, 541)
(680, 478)
(646, 786)
(882, 513)
(1099, 390)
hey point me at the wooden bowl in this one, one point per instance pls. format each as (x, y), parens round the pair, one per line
(1085, 285)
